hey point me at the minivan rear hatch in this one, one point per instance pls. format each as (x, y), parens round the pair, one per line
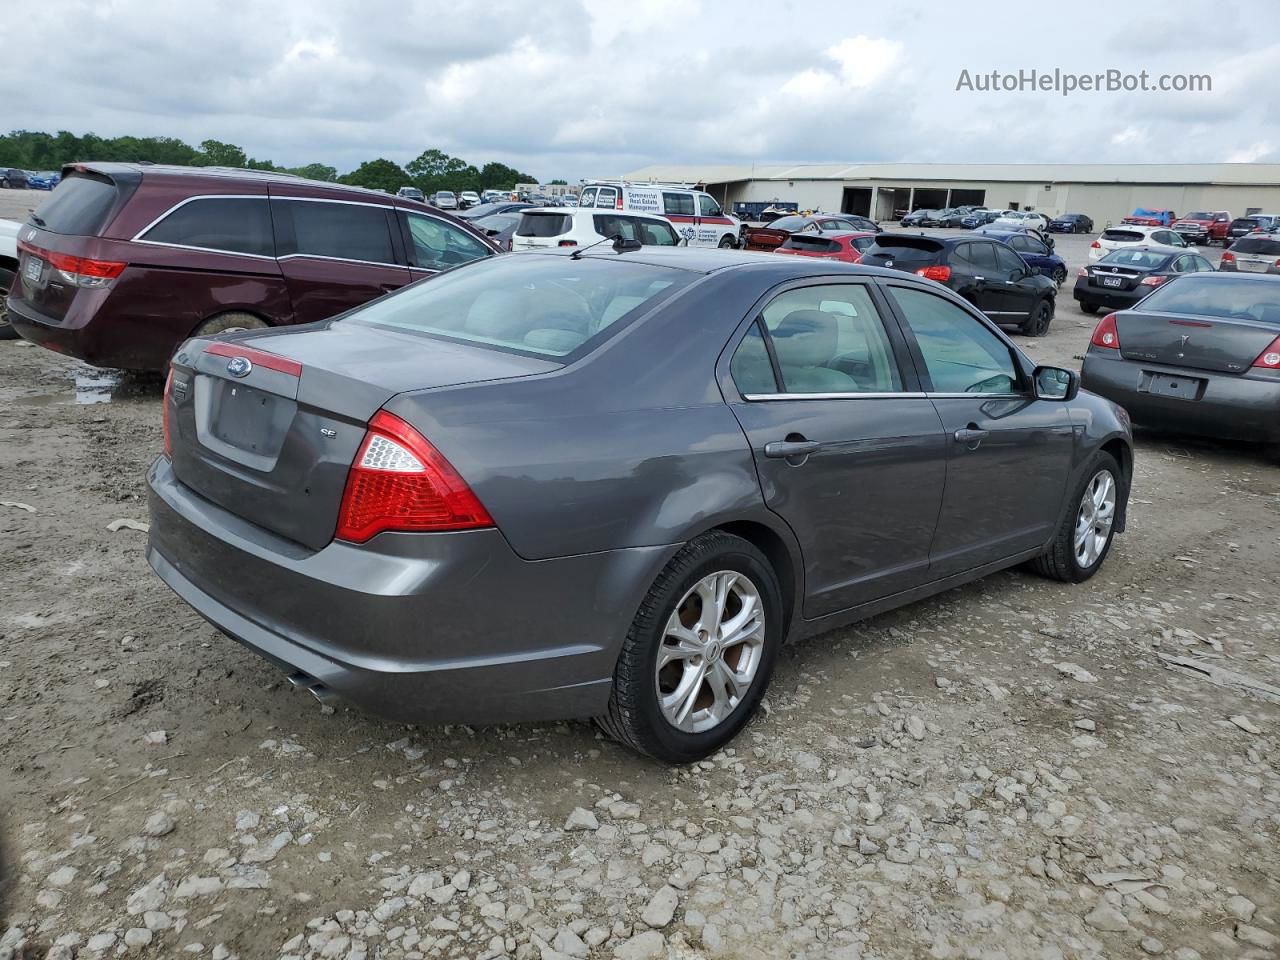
(62, 244)
(266, 425)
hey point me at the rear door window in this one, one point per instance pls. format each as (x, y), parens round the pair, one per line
(436, 245)
(607, 197)
(230, 224)
(588, 197)
(680, 204)
(339, 231)
(79, 205)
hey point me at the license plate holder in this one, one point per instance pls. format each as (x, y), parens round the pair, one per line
(33, 269)
(1111, 281)
(1178, 388)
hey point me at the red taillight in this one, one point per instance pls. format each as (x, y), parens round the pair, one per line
(78, 271)
(1269, 359)
(1082, 272)
(164, 415)
(567, 243)
(941, 274)
(1105, 334)
(1095, 245)
(1228, 257)
(1152, 281)
(399, 481)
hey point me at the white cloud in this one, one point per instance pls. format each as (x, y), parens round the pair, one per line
(592, 88)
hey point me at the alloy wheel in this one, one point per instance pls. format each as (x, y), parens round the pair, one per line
(711, 650)
(1094, 519)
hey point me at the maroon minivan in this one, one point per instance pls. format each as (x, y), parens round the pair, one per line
(125, 261)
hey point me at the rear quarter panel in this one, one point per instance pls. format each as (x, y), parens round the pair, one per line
(631, 446)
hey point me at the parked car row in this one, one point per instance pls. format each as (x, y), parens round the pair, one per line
(11, 178)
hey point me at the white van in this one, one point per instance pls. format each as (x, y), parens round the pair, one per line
(696, 215)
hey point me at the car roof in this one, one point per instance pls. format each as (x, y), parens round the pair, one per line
(715, 259)
(146, 170)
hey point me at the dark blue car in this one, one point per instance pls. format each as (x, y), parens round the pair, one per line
(45, 180)
(1036, 250)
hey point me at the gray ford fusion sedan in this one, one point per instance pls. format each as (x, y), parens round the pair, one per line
(611, 484)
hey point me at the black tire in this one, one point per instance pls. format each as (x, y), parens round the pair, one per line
(1037, 325)
(1090, 307)
(1059, 562)
(228, 322)
(726, 242)
(634, 717)
(7, 331)
(1059, 275)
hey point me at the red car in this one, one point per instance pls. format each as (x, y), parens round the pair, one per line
(840, 245)
(775, 234)
(123, 262)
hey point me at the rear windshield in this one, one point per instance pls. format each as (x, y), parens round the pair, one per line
(1122, 236)
(810, 244)
(543, 224)
(1217, 295)
(539, 305)
(79, 205)
(1134, 258)
(905, 250)
(1245, 222)
(496, 222)
(1264, 245)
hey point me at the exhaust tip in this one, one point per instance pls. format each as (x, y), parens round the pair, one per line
(313, 686)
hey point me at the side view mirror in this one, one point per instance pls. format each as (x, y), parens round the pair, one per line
(1056, 383)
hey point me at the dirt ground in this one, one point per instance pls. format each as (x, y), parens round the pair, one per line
(1008, 770)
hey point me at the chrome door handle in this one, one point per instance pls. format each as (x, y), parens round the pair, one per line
(971, 435)
(979, 278)
(786, 449)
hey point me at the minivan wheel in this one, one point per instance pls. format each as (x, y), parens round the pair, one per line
(700, 652)
(7, 331)
(1037, 325)
(1084, 539)
(229, 323)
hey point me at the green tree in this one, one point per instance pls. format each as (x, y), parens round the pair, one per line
(498, 176)
(563, 183)
(377, 174)
(315, 171)
(214, 153)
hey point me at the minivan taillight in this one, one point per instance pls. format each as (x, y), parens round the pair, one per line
(941, 274)
(1105, 334)
(164, 415)
(78, 271)
(399, 481)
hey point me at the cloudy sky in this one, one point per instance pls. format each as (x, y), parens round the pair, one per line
(578, 88)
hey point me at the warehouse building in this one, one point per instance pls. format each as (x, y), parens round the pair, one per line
(885, 191)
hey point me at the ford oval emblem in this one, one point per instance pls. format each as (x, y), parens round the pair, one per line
(239, 366)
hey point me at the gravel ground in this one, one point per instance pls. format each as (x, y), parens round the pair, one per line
(1012, 769)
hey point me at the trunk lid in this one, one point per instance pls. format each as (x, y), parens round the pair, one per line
(1199, 343)
(764, 238)
(273, 443)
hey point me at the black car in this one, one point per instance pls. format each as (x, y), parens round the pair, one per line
(1071, 223)
(1125, 276)
(986, 273)
(1243, 226)
(11, 178)
(917, 218)
(978, 218)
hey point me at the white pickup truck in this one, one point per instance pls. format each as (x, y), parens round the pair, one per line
(8, 270)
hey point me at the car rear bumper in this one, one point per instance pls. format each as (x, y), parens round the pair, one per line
(89, 334)
(450, 627)
(1115, 299)
(1229, 406)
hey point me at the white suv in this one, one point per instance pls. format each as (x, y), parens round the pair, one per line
(548, 227)
(1128, 235)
